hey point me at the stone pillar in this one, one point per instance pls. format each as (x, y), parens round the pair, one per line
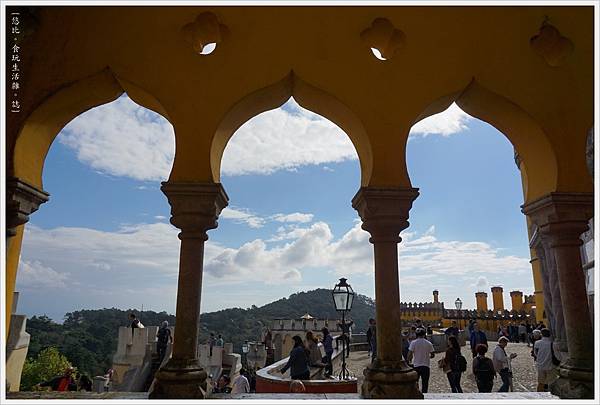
(195, 208)
(22, 199)
(384, 212)
(497, 298)
(550, 301)
(558, 327)
(516, 300)
(561, 219)
(481, 299)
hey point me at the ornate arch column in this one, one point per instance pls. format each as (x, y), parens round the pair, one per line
(561, 219)
(22, 199)
(384, 212)
(195, 208)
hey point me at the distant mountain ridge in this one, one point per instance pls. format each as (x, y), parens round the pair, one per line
(88, 338)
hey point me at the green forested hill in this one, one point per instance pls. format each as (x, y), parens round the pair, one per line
(88, 338)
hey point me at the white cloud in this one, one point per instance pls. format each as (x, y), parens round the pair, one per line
(482, 283)
(446, 123)
(139, 257)
(122, 139)
(294, 217)
(285, 139)
(33, 274)
(242, 216)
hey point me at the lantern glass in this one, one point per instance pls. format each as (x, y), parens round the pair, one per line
(343, 296)
(458, 303)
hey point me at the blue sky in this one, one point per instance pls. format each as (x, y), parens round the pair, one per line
(104, 239)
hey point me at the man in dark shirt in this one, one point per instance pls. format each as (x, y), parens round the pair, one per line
(477, 337)
(452, 330)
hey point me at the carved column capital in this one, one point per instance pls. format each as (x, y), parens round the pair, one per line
(384, 211)
(195, 207)
(561, 217)
(22, 199)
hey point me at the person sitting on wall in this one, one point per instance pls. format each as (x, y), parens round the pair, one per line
(64, 382)
(298, 361)
(135, 323)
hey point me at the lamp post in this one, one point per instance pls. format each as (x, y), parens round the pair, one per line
(343, 297)
(458, 304)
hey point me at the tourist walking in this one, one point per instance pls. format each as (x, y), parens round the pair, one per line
(314, 354)
(420, 351)
(298, 361)
(501, 363)
(454, 364)
(371, 338)
(240, 385)
(163, 337)
(523, 334)
(483, 369)
(328, 346)
(545, 361)
(477, 337)
(535, 336)
(452, 330)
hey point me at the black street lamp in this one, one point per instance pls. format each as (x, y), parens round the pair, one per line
(343, 298)
(458, 304)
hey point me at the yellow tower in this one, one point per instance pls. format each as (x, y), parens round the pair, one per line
(516, 298)
(481, 298)
(498, 298)
(435, 296)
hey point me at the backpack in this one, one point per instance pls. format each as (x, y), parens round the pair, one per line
(484, 369)
(462, 363)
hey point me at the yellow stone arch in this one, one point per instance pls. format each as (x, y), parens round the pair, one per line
(539, 163)
(42, 126)
(309, 97)
(46, 121)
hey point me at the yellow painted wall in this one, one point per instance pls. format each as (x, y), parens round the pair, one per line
(516, 302)
(481, 299)
(13, 253)
(498, 299)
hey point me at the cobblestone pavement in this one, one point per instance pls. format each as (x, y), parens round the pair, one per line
(524, 372)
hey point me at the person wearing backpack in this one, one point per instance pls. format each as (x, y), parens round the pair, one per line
(454, 364)
(163, 338)
(483, 368)
(545, 361)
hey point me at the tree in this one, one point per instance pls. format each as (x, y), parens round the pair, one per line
(48, 364)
